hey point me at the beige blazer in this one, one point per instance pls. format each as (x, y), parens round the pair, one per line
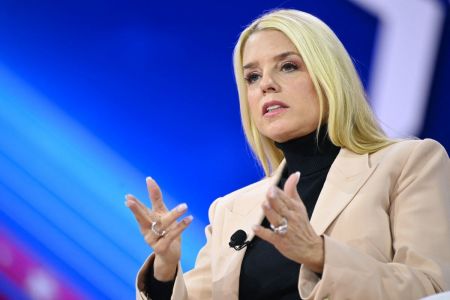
(385, 218)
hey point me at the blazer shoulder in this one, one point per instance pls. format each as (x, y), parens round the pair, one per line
(411, 157)
(402, 150)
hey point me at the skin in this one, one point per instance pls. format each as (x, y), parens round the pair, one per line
(272, 75)
(301, 243)
(167, 249)
(274, 71)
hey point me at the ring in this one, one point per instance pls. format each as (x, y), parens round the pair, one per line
(282, 228)
(156, 231)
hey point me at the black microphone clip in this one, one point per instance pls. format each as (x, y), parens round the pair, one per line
(238, 240)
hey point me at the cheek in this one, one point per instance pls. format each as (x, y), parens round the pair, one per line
(308, 96)
(252, 103)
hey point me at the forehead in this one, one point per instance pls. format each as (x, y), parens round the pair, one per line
(265, 44)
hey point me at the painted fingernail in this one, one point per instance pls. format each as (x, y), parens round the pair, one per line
(182, 207)
(188, 219)
(297, 174)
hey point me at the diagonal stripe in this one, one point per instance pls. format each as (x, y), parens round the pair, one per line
(62, 246)
(66, 187)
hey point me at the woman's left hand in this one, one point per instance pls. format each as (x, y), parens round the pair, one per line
(300, 242)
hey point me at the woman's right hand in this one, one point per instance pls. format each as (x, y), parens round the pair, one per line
(167, 247)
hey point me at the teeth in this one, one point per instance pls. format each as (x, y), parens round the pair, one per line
(273, 107)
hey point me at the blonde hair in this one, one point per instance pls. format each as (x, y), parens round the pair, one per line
(350, 121)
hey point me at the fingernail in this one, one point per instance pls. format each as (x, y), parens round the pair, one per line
(266, 205)
(127, 204)
(182, 207)
(297, 174)
(148, 179)
(126, 196)
(188, 219)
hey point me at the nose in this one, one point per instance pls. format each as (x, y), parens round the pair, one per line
(268, 84)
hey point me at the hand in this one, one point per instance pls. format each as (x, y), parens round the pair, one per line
(300, 243)
(167, 248)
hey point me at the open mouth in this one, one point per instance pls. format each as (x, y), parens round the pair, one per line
(273, 107)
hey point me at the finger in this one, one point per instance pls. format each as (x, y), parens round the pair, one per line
(266, 234)
(140, 213)
(150, 237)
(276, 200)
(166, 222)
(164, 242)
(154, 193)
(138, 202)
(290, 186)
(272, 216)
(290, 189)
(168, 219)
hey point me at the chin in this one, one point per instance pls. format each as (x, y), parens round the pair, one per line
(285, 129)
(279, 137)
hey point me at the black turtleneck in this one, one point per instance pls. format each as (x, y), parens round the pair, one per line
(313, 159)
(265, 272)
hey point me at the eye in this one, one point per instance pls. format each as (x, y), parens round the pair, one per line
(289, 67)
(252, 77)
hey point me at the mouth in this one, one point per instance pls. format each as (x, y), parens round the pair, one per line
(273, 108)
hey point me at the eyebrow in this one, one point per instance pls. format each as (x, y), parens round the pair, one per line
(276, 57)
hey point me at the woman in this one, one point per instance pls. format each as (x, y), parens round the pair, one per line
(367, 219)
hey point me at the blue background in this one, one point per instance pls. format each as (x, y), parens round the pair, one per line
(97, 95)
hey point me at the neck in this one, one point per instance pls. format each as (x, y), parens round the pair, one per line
(310, 153)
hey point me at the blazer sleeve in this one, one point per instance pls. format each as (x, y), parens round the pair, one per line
(195, 284)
(420, 232)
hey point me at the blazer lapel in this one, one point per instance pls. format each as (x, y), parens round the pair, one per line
(347, 175)
(244, 213)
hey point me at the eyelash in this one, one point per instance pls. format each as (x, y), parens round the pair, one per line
(291, 64)
(251, 78)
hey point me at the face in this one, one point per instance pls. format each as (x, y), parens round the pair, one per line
(281, 96)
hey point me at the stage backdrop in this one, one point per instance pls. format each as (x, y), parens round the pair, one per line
(97, 95)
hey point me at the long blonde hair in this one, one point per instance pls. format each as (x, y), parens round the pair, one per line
(350, 121)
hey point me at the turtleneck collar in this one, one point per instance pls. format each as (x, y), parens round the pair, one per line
(307, 154)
